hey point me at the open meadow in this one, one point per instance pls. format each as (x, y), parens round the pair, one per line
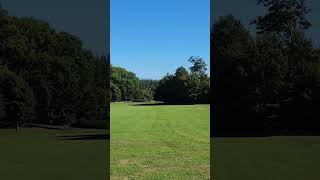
(35, 153)
(150, 141)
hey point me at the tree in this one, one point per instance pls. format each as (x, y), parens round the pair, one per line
(115, 93)
(181, 73)
(18, 96)
(266, 85)
(200, 83)
(231, 38)
(67, 81)
(180, 84)
(234, 78)
(198, 65)
(126, 82)
(185, 87)
(2, 107)
(125, 86)
(283, 18)
(165, 90)
(287, 21)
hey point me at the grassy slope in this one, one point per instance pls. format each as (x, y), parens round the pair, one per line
(37, 154)
(272, 158)
(159, 142)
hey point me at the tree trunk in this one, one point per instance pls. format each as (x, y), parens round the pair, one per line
(17, 127)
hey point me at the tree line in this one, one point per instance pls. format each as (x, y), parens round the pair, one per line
(126, 86)
(268, 82)
(181, 87)
(48, 77)
(184, 86)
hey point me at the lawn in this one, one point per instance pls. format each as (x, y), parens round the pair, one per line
(38, 154)
(160, 141)
(269, 158)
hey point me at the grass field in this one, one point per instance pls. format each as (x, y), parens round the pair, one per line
(270, 158)
(160, 141)
(41, 154)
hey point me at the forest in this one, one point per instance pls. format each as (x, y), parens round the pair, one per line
(266, 82)
(48, 77)
(181, 87)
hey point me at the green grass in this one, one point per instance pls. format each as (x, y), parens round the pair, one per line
(272, 158)
(41, 154)
(160, 142)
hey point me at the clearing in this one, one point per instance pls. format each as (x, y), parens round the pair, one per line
(150, 141)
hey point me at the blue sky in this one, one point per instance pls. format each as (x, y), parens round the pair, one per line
(154, 37)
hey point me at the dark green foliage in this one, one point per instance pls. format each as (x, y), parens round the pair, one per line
(67, 81)
(270, 83)
(284, 18)
(182, 87)
(125, 86)
(115, 94)
(17, 98)
(143, 95)
(148, 84)
(2, 106)
(185, 87)
(165, 90)
(147, 88)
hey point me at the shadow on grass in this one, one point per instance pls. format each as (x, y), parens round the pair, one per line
(161, 104)
(86, 137)
(240, 136)
(262, 135)
(237, 134)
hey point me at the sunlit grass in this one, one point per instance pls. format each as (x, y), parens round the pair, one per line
(160, 141)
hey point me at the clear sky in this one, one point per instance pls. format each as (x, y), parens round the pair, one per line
(87, 19)
(154, 37)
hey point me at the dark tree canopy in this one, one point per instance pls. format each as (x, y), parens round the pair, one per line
(283, 18)
(184, 86)
(48, 77)
(125, 86)
(266, 84)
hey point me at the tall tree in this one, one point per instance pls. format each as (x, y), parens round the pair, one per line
(283, 18)
(18, 96)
